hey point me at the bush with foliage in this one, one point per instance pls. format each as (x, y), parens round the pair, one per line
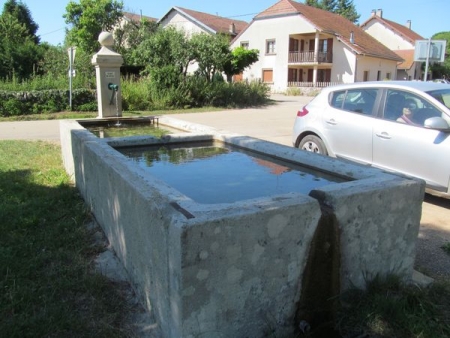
(45, 101)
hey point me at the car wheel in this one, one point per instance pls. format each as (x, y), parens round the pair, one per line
(314, 144)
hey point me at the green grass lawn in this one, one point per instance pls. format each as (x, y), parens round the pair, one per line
(50, 289)
(48, 286)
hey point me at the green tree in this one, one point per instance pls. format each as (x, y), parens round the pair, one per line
(166, 55)
(131, 36)
(19, 53)
(21, 12)
(313, 3)
(211, 52)
(88, 19)
(241, 58)
(442, 70)
(329, 5)
(345, 8)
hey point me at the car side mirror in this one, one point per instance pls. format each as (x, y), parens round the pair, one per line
(437, 123)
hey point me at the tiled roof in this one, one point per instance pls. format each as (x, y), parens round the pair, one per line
(137, 17)
(214, 23)
(401, 30)
(334, 24)
(408, 56)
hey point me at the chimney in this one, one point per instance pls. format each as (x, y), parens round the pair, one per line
(352, 38)
(373, 12)
(408, 24)
(379, 12)
(232, 28)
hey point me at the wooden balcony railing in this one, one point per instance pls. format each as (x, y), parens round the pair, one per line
(302, 57)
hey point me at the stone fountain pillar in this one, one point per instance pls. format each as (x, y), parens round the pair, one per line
(107, 69)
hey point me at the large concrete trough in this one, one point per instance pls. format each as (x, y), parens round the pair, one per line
(254, 266)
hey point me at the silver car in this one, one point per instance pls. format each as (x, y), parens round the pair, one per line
(401, 126)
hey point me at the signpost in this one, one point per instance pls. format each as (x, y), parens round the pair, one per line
(71, 52)
(429, 51)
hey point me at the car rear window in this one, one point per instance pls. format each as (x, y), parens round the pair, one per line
(360, 100)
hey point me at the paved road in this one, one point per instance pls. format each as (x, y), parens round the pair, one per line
(274, 123)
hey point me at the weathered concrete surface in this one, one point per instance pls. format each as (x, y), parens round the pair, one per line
(237, 269)
(378, 224)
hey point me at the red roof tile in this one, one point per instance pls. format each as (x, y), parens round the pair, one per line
(137, 17)
(334, 24)
(408, 56)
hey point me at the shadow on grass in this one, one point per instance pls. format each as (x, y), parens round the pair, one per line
(47, 283)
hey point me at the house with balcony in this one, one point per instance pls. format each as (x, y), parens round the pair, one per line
(303, 46)
(399, 38)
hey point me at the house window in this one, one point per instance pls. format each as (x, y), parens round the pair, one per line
(292, 75)
(366, 75)
(323, 75)
(270, 46)
(294, 45)
(244, 44)
(323, 46)
(267, 75)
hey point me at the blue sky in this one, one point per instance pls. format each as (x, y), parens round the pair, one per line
(427, 17)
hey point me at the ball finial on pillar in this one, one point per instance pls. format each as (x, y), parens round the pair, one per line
(106, 39)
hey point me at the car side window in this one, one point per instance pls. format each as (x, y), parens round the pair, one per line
(361, 100)
(405, 107)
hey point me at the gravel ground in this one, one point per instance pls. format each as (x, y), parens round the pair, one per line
(431, 259)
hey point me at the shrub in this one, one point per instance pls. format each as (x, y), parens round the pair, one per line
(137, 95)
(11, 107)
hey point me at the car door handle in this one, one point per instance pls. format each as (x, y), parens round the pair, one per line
(332, 122)
(383, 135)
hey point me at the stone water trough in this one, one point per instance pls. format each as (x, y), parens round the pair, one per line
(252, 266)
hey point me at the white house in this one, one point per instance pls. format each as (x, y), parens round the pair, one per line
(302, 46)
(193, 22)
(399, 38)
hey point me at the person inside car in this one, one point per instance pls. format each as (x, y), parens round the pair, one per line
(409, 108)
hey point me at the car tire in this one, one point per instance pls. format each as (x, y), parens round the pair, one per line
(313, 144)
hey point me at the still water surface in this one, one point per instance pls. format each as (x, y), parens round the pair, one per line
(217, 173)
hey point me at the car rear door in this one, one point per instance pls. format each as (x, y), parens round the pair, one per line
(348, 124)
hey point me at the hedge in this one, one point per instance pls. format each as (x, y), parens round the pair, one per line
(46, 101)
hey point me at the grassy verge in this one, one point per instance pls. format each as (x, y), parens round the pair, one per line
(391, 309)
(48, 287)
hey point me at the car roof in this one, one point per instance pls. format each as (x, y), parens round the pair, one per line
(418, 85)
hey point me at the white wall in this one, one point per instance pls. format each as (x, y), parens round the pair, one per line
(178, 21)
(373, 65)
(344, 63)
(387, 36)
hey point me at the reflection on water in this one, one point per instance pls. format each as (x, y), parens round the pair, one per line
(127, 129)
(210, 173)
